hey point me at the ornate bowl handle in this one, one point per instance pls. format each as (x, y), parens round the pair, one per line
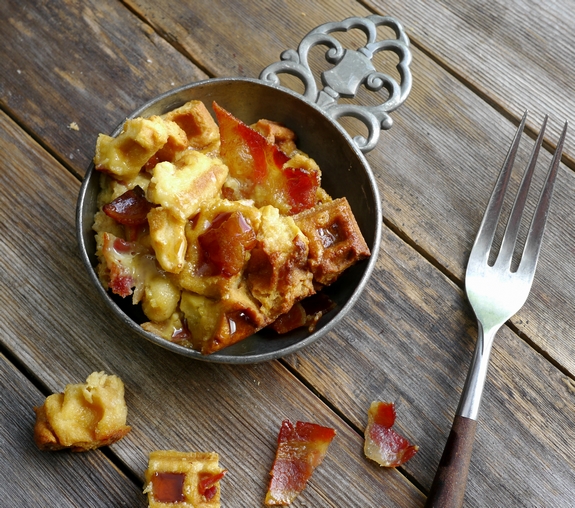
(351, 69)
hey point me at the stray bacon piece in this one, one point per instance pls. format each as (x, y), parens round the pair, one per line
(129, 209)
(301, 448)
(382, 444)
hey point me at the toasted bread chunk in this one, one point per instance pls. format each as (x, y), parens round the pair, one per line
(185, 480)
(84, 417)
(335, 240)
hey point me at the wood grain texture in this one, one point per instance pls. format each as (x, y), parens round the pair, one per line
(54, 322)
(517, 55)
(73, 479)
(410, 337)
(83, 62)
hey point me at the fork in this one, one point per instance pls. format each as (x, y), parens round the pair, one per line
(496, 292)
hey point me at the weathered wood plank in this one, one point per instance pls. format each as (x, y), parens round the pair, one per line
(518, 55)
(33, 478)
(53, 321)
(104, 64)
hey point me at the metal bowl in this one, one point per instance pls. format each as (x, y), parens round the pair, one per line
(345, 172)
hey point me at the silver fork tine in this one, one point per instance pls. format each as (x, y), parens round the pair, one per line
(486, 232)
(535, 237)
(512, 228)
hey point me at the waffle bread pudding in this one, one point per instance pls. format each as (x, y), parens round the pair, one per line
(85, 416)
(183, 479)
(217, 229)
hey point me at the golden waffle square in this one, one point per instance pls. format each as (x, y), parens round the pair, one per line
(195, 120)
(335, 240)
(183, 479)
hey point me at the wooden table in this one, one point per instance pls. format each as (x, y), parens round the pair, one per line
(476, 67)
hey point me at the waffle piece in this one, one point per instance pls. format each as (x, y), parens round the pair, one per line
(185, 480)
(84, 417)
(216, 324)
(195, 120)
(277, 134)
(184, 185)
(335, 240)
(125, 155)
(277, 273)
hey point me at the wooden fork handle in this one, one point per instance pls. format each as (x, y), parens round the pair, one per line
(448, 488)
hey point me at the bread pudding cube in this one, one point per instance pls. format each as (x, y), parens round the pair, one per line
(181, 187)
(86, 416)
(124, 156)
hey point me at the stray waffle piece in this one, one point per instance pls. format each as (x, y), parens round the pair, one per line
(84, 417)
(335, 240)
(183, 479)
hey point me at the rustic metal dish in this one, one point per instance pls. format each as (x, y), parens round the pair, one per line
(313, 115)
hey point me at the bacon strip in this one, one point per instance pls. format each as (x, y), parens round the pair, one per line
(382, 444)
(301, 448)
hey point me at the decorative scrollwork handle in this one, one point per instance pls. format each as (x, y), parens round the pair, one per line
(351, 70)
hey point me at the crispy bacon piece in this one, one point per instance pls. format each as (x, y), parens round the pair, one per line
(262, 167)
(382, 444)
(251, 154)
(225, 243)
(207, 484)
(129, 209)
(301, 448)
(301, 187)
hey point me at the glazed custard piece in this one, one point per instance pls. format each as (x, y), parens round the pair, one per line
(84, 417)
(301, 448)
(183, 480)
(217, 231)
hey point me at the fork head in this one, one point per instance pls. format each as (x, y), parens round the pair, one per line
(496, 292)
